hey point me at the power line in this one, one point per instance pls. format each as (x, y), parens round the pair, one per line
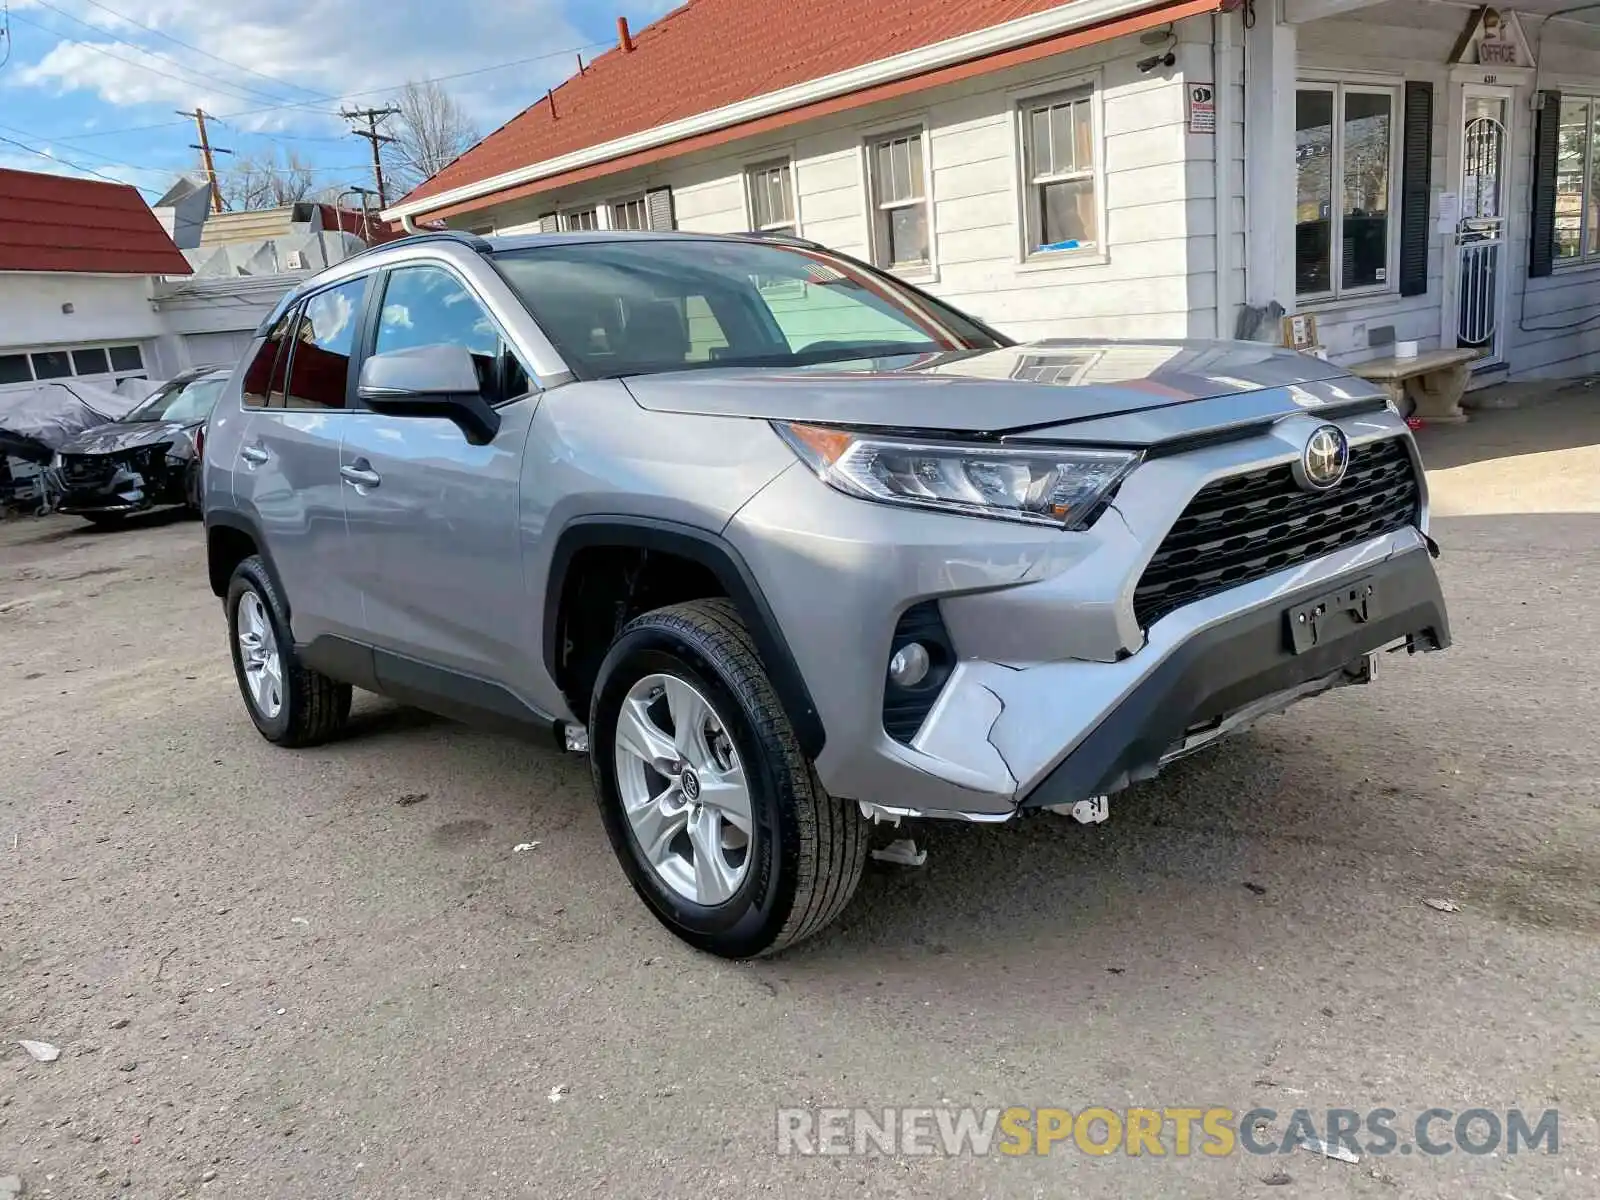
(264, 168)
(67, 163)
(373, 117)
(250, 112)
(196, 49)
(5, 32)
(236, 92)
(206, 151)
(239, 89)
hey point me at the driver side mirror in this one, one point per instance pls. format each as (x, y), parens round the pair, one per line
(430, 381)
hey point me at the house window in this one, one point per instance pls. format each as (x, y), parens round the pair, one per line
(126, 358)
(90, 362)
(630, 214)
(93, 362)
(771, 188)
(14, 369)
(1058, 165)
(895, 169)
(52, 364)
(581, 218)
(1345, 155)
(1578, 180)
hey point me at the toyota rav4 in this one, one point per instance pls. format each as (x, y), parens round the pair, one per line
(789, 547)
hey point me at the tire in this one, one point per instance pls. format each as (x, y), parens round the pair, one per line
(804, 852)
(311, 708)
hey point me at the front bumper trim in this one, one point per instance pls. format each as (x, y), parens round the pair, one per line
(1241, 669)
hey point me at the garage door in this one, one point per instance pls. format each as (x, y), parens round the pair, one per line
(217, 349)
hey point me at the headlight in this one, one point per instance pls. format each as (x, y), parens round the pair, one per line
(1049, 487)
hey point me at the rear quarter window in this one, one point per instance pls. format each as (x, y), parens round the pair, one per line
(263, 378)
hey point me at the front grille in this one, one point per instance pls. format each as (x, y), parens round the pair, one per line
(87, 468)
(82, 470)
(1250, 526)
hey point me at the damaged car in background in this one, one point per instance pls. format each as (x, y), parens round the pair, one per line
(35, 422)
(147, 458)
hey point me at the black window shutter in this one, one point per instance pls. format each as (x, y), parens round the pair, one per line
(1416, 187)
(1546, 147)
(658, 209)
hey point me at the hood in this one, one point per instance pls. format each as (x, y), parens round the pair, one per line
(1033, 386)
(123, 435)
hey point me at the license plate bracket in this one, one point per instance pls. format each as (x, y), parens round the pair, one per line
(1332, 615)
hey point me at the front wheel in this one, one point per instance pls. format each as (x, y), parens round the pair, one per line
(290, 704)
(714, 813)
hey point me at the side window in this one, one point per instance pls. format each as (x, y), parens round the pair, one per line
(428, 306)
(263, 378)
(324, 337)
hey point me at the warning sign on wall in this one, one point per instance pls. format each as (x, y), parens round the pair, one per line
(1202, 108)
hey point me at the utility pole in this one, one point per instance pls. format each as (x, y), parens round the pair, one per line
(206, 151)
(372, 116)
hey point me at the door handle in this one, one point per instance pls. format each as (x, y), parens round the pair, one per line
(359, 476)
(254, 455)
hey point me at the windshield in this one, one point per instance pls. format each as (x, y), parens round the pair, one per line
(634, 307)
(186, 402)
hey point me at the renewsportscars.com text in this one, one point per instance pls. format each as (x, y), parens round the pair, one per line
(1161, 1132)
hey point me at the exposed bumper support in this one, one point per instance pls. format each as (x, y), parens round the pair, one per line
(1239, 670)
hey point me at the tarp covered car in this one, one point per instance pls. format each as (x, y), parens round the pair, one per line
(35, 422)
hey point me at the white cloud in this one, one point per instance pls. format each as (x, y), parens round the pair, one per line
(337, 50)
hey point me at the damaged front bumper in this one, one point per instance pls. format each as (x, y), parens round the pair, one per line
(1003, 739)
(119, 487)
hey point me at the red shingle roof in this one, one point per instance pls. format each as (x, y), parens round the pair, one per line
(53, 223)
(711, 53)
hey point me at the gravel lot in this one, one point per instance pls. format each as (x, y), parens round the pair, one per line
(326, 973)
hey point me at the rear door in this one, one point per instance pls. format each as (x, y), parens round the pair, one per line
(433, 519)
(287, 474)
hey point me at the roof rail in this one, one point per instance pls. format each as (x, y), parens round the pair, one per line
(474, 240)
(786, 239)
(461, 237)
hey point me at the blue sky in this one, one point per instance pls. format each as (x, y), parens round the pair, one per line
(94, 85)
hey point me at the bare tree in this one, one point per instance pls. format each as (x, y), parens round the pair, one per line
(267, 180)
(431, 131)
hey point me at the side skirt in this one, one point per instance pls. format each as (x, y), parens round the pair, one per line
(440, 690)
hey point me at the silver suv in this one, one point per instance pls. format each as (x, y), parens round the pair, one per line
(789, 547)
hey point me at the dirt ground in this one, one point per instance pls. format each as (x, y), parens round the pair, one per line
(328, 974)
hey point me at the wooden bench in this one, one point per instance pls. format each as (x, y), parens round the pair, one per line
(1429, 386)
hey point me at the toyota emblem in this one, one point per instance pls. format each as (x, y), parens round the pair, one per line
(1325, 459)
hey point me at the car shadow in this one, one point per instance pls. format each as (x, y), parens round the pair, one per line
(1569, 419)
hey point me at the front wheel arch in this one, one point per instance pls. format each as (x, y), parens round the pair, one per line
(722, 560)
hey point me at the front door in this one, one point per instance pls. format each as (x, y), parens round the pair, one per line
(1482, 262)
(434, 524)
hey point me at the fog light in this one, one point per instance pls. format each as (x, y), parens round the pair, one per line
(909, 666)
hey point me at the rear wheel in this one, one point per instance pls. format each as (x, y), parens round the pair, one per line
(717, 818)
(290, 704)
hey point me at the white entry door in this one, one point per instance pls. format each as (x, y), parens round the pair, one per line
(1482, 256)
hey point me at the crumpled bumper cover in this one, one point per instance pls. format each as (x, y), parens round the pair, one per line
(1232, 666)
(1004, 737)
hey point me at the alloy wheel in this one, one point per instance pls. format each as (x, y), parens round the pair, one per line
(258, 656)
(683, 789)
